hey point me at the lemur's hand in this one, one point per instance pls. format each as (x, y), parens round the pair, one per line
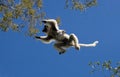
(37, 37)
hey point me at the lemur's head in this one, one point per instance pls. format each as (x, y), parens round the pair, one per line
(50, 24)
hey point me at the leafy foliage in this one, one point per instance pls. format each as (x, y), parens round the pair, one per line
(106, 66)
(79, 4)
(58, 20)
(17, 14)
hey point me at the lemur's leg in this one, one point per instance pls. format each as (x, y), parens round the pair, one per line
(59, 47)
(75, 40)
(89, 45)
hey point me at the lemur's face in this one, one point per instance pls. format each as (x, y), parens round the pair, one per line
(47, 27)
(50, 25)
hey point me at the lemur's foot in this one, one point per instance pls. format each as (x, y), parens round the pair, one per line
(61, 52)
(95, 43)
(77, 46)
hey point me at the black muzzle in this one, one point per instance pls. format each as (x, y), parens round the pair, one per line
(45, 29)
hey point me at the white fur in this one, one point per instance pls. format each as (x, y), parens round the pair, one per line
(60, 36)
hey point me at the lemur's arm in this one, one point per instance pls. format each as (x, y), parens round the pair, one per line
(44, 39)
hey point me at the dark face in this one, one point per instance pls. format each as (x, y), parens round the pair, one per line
(49, 27)
(45, 29)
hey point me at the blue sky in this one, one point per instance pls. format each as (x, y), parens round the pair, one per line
(22, 56)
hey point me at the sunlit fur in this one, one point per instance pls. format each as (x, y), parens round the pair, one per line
(61, 38)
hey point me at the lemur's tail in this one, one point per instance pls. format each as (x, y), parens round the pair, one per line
(89, 45)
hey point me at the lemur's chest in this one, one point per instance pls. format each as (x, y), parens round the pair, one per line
(59, 36)
(62, 37)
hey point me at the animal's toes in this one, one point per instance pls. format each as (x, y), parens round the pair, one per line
(77, 47)
(61, 52)
(37, 37)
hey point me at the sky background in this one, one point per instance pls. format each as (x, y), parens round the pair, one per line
(22, 56)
